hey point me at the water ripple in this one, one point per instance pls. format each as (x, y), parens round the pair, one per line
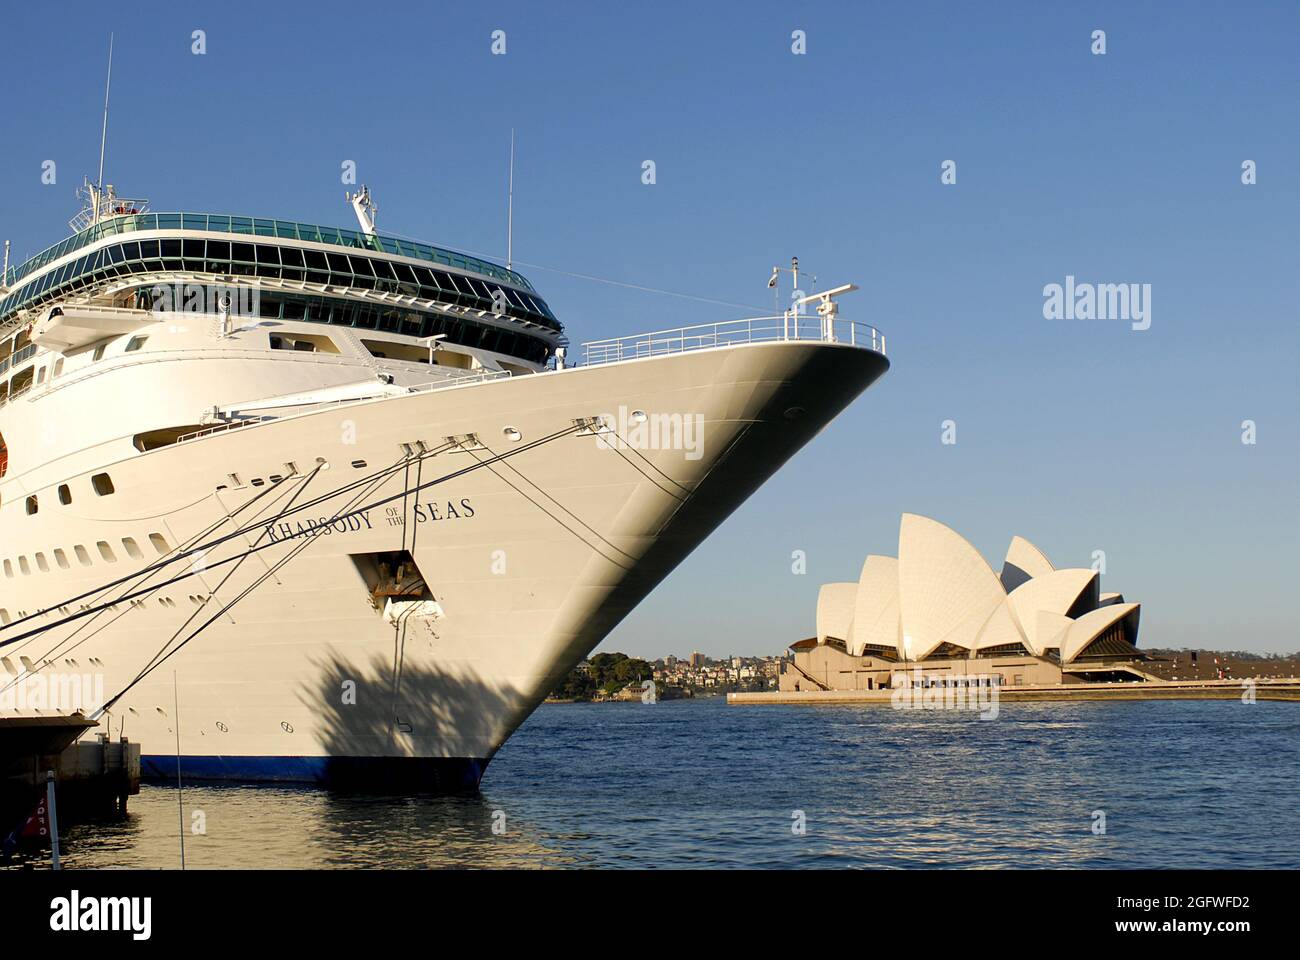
(700, 784)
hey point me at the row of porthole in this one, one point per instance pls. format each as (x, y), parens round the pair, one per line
(285, 725)
(30, 667)
(101, 483)
(237, 483)
(137, 603)
(132, 548)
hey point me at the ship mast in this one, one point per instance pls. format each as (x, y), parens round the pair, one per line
(510, 207)
(103, 133)
(99, 201)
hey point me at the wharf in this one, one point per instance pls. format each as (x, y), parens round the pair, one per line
(93, 777)
(1263, 689)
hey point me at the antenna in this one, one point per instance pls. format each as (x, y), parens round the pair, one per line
(774, 281)
(103, 134)
(102, 202)
(365, 209)
(510, 206)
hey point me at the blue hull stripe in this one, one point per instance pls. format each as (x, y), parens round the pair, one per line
(437, 774)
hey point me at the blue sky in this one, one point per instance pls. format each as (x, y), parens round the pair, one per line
(1079, 434)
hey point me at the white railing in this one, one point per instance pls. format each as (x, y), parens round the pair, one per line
(18, 357)
(445, 383)
(222, 428)
(732, 333)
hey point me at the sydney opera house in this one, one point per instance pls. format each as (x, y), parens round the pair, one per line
(938, 611)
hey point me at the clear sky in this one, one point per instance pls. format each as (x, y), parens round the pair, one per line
(1126, 167)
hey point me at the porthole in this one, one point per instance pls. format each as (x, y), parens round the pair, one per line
(32, 505)
(103, 484)
(286, 726)
(222, 727)
(106, 552)
(511, 434)
(65, 495)
(159, 543)
(132, 549)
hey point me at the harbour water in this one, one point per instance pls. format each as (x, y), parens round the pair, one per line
(702, 784)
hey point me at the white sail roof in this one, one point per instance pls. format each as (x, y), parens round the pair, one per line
(1024, 561)
(947, 590)
(876, 613)
(835, 611)
(1000, 628)
(1055, 592)
(940, 592)
(1090, 626)
(1051, 629)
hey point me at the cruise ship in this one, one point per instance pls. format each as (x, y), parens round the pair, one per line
(322, 504)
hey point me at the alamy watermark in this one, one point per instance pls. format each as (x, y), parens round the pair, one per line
(638, 430)
(52, 690)
(973, 691)
(234, 301)
(1098, 301)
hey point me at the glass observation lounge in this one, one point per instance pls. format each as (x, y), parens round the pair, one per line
(349, 267)
(262, 227)
(387, 318)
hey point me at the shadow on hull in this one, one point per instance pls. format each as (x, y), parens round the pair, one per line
(379, 730)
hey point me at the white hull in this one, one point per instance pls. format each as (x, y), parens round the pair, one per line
(547, 551)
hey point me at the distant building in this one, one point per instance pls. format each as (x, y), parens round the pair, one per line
(938, 612)
(697, 660)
